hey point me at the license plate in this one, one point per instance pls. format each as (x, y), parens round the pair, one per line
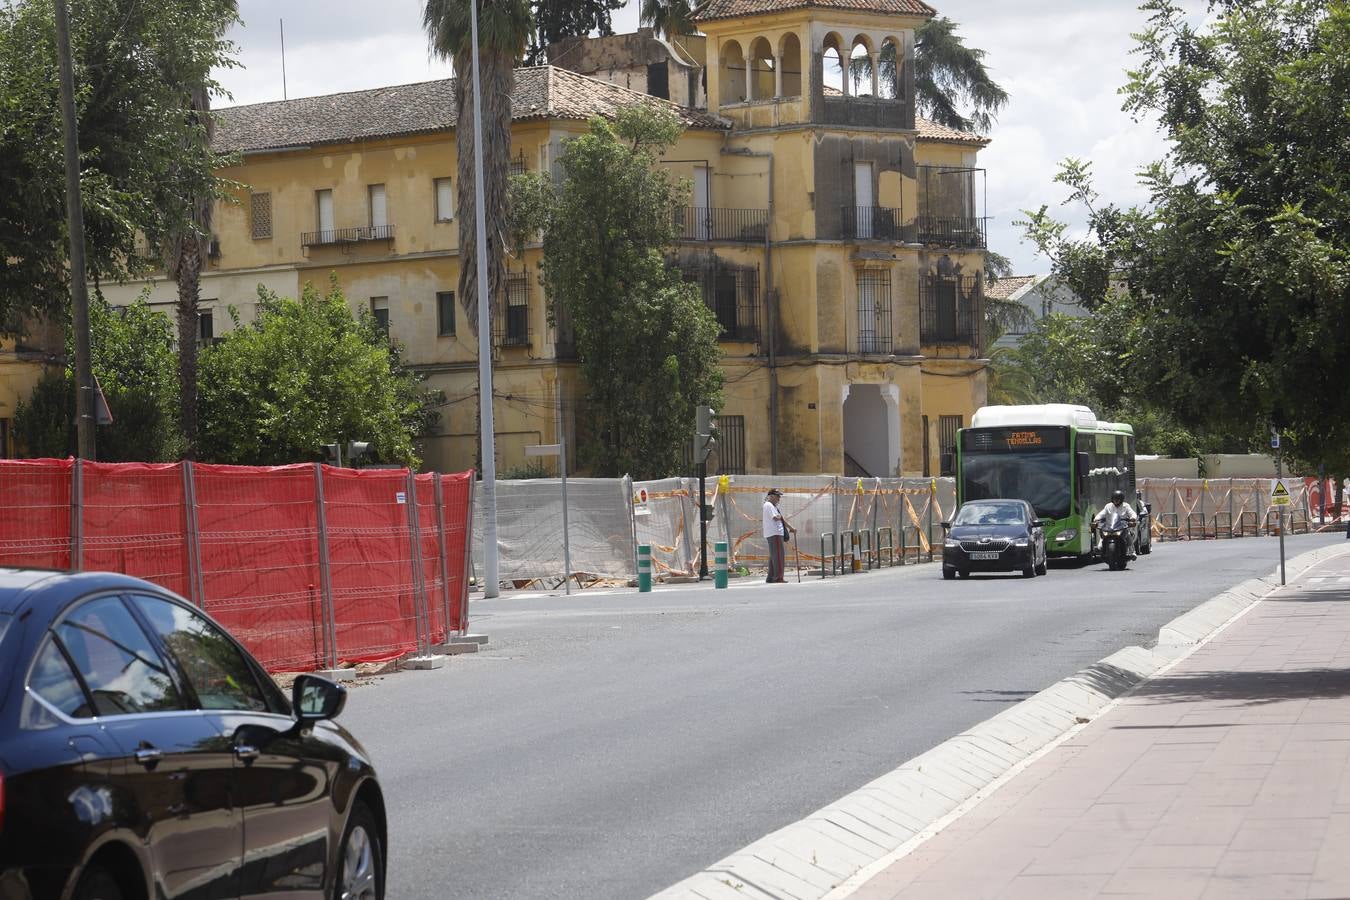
(985, 554)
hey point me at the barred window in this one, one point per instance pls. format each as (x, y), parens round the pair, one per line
(874, 311)
(731, 444)
(947, 428)
(260, 210)
(445, 313)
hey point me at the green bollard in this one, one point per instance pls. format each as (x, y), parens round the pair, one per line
(644, 562)
(720, 564)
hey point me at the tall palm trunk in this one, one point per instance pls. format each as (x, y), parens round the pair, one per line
(183, 258)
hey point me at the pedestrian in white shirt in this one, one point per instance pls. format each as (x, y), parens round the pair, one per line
(775, 527)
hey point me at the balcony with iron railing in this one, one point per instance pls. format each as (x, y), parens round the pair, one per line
(951, 309)
(707, 223)
(346, 236)
(952, 231)
(870, 223)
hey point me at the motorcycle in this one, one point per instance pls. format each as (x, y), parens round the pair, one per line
(1115, 546)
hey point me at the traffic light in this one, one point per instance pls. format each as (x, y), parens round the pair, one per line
(356, 450)
(705, 432)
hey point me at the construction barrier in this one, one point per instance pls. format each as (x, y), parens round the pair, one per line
(309, 566)
(1209, 508)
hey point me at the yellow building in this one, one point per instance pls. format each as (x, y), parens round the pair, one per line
(23, 361)
(836, 237)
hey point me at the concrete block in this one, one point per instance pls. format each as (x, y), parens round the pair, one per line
(337, 674)
(423, 662)
(468, 638)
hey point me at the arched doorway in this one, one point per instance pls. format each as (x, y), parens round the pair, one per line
(871, 430)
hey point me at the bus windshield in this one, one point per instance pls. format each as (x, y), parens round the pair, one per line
(1031, 465)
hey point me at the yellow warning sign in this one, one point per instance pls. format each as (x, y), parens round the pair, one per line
(1279, 492)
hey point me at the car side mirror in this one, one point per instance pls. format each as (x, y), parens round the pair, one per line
(1037, 523)
(946, 526)
(315, 699)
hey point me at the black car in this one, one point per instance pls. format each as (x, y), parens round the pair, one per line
(145, 754)
(994, 536)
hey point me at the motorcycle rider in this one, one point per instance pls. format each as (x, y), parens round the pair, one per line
(1115, 512)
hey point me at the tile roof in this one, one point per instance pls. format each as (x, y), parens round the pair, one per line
(1005, 287)
(541, 92)
(727, 9)
(932, 131)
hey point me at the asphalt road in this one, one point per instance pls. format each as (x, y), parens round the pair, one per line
(609, 745)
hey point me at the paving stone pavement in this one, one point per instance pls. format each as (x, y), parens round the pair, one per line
(1226, 776)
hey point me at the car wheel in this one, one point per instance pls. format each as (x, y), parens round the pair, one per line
(948, 574)
(1041, 569)
(361, 860)
(1029, 572)
(97, 884)
(964, 573)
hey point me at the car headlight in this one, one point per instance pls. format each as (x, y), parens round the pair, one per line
(951, 543)
(1067, 534)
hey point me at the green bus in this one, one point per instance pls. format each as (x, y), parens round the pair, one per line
(1057, 457)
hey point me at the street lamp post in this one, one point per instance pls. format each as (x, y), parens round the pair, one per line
(487, 438)
(79, 290)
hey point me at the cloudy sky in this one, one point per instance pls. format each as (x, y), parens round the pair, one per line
(1062, 62)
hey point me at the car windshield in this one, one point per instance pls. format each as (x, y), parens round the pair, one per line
(991, 514)
(1039, 477)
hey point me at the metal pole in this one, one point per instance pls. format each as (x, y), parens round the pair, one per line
(1279, 475)
(79, 289)
(77, 516)
(325, 576)
(421, 609)
(440, 548)
(702, 521)
(488, 438)
(193, 538)
(562, 470)
(468, 561)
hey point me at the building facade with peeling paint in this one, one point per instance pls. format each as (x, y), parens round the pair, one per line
(837, 237)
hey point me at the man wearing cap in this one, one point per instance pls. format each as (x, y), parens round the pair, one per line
(775, 527)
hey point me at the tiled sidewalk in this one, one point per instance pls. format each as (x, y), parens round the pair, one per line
(1225, 777)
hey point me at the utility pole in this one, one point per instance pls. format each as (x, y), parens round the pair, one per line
(704, 441)
(491, 581)
(79, 290)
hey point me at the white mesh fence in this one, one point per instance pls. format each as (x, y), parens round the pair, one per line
(1199, 508)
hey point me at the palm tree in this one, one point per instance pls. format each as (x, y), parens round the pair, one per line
(947, 75)
(668, 17)
(504, 28)
(186, 247)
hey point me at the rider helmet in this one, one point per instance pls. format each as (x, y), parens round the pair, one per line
(1117, 497)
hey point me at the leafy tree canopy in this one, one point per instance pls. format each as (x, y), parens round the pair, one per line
(558, 19)
(1236, 274)
(303, 374)
(138, 148)
(646, 342)
(135, 364)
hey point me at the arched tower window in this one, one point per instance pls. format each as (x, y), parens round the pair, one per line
(761, 68)
(732, 74)
(862, 68)
(790, 59)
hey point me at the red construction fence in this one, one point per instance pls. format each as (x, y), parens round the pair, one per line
(308, 565)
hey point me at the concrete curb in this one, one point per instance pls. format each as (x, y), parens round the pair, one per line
(814, 857)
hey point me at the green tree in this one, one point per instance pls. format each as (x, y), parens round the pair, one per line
(134, 361)
(1237, 271)
(305, 373)
(646, 342)
(504, 29)
(948, 77)
(186, 245)
(558, 19)
(668, 17)
(137, 147)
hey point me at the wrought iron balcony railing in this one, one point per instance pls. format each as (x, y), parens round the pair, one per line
(354, 235)
(951, 309)
(707, 223)
(870, 223)
(952, 231)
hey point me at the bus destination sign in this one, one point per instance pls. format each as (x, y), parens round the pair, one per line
(996, 440)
